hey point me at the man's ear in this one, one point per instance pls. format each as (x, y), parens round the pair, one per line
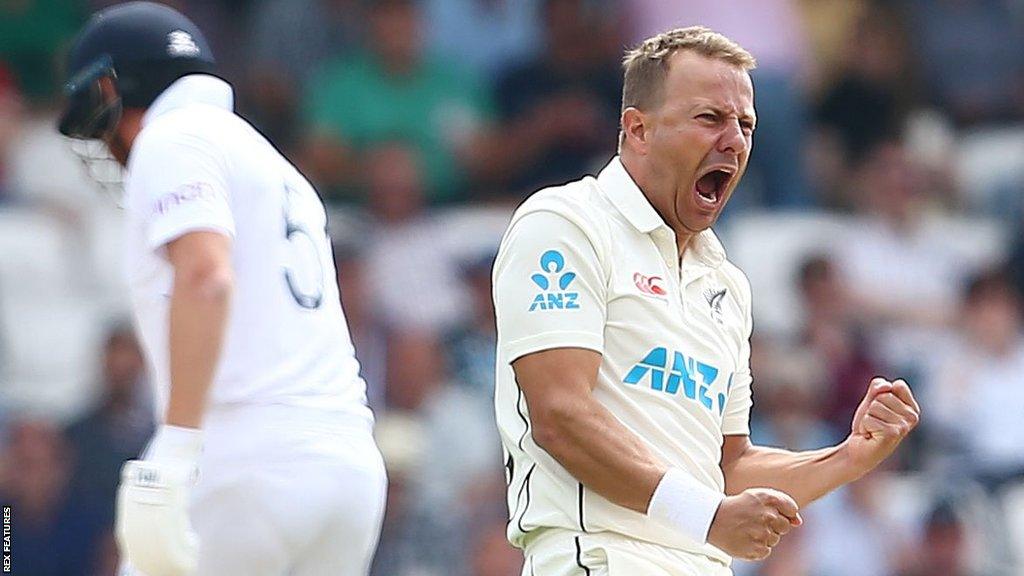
(634, 130)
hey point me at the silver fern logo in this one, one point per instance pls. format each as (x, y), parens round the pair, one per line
(715, 298)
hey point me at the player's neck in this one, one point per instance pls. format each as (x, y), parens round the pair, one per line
(120, 142)
(659, 197)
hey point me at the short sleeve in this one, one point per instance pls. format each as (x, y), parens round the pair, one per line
(549, 288)
(178, 184)
(736, 418)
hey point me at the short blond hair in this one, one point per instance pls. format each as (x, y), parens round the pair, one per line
(646, 66)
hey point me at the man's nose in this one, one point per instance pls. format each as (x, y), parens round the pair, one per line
(733, 140)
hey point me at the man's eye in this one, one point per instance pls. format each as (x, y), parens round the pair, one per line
(708, 117)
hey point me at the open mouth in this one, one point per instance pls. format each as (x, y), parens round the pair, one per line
(712, 185)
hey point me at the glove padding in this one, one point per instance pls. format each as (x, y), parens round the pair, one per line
(153, 529)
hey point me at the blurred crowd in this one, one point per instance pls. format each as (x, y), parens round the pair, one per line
(879, 223)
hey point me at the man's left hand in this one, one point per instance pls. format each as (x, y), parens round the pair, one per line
(884, 418)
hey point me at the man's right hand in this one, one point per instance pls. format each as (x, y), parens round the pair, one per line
(749, 524)
(152, 525)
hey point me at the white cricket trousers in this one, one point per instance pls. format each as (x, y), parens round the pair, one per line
(287, 491)
(568, 553)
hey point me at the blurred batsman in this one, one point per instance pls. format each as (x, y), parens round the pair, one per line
(624, 388)
(265, 462)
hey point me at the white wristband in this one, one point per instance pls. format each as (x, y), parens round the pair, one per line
(682, 502)
(175, 443)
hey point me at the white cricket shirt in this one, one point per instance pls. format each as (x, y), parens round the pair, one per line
(592, 265)
(197, 166)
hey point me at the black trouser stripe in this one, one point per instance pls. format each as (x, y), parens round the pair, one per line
(579, 557)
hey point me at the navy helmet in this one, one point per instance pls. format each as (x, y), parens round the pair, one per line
(143, 47)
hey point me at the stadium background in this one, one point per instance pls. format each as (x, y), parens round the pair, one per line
(879, 224)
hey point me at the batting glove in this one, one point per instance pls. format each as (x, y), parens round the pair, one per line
(153, 529)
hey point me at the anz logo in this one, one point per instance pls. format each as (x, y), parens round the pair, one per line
(677, 374)
(554, 283)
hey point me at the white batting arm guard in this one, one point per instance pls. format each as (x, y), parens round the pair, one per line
(153, 529)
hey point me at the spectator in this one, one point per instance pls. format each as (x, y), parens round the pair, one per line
(285, 32)
(425, 296)
(848, 533)
(483, 35)
(461, 441)
(791, 388)
(472, 347)
(902, 275)
(972, 55)
(393, 91)
(866, 103)
(560, 110)
(10, 122)
(829, 24)
(117, 428)
(282, 33)
(977, 396)
(455, 474)
(31, 34)
(943, 549)
(367, 335)
(405, 543)
(57, 534)
(831, 332)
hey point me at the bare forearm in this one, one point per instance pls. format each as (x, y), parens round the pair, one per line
(806, 476)
(605, 456)
(198, 318)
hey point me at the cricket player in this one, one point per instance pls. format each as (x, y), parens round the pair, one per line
(264, 463)
(623, 389)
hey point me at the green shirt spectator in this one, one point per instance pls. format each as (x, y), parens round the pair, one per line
(432, 107)
(32, 32)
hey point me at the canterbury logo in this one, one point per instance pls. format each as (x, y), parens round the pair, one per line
(648, 284)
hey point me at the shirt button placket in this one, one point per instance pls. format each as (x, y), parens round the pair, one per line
(665, 242)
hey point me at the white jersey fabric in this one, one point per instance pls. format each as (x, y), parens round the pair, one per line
(592, 265)
(197, 166)
(288, 444)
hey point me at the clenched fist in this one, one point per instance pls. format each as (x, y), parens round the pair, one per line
(884, 418)
(749, 524)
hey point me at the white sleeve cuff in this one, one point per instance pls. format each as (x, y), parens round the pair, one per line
(175, 443)
(683, 503)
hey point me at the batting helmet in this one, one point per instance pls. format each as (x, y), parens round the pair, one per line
(143, 47)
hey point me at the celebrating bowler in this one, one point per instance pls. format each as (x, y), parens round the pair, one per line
(624, 388)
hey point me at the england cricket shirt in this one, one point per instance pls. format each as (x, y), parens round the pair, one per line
(197, 166)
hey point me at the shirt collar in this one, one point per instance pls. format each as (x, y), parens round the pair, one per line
(627, 198)
(192, 89)
(620, 189)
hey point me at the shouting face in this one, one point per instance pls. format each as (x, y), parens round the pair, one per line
(696, 140)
